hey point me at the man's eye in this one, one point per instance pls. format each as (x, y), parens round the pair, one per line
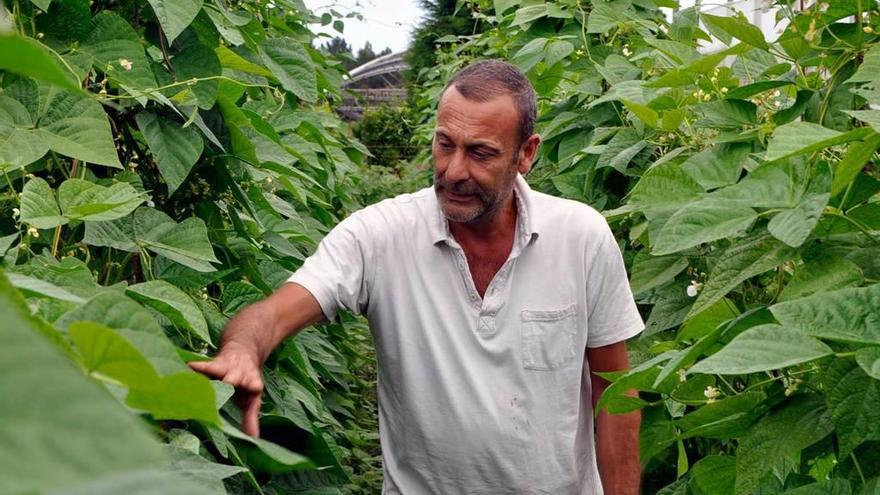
(446, 145)
(480, 155)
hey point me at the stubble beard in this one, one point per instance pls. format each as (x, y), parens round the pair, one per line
(488, 202)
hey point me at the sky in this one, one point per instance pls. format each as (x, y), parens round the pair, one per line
(387, 23)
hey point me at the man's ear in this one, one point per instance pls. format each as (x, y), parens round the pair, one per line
(528, 152)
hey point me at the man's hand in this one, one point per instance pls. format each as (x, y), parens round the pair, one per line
(250, 337)
(239, 367)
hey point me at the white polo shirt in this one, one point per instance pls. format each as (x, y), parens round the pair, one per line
(480, 395)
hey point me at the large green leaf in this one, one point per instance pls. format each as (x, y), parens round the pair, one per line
(20, 143)
(208, 474)
(290, 63)
(52, 401)
(173, 303)
(42, 288)
(857, 155)
(738, 27)
(106, 353)
(869, 71)
(198, 62)
(793, 226)
(825, 273)
(131, 321)
(854, 399)
(715, 475)
(75, 125)
(184, 395)
(276, 454)
(175, 148)
(727, 418)
(85, 200)
(621, 149)
(702, 221)
(797, 424)
(836, 486)
(652, 271)
(804, 137)
(39, 206)
(763, 348)
(739, 263)
(175, 15)
(718, 166)
(771, 185)
(41, 63)
(869, 359)
(112, 41)
(664, 185)
(186, 242)
(846, 315)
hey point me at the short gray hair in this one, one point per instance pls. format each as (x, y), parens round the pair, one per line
(488, 79)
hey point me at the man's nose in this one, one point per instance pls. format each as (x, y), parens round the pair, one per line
(457, 170)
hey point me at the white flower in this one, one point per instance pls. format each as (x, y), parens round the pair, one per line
(694, 288)
(682, 375)
(16, 212)
(125, 63)
(150, 203)
(711, 394)
(626, 51)
(724, 90)
(33, 232)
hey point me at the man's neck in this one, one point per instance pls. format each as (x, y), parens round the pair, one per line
(501, 224)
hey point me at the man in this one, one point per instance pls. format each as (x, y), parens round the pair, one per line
(490, 305)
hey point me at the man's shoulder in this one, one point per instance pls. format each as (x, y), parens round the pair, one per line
(391, 214)
(553, 212)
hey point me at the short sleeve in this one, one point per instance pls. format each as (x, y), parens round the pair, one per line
(338, 273)
(612, 312)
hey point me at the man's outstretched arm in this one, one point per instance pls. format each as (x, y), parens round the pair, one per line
(249, 338)
(617, 436)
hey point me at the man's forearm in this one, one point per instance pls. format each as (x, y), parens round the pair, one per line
(617, 446)
(261, 327)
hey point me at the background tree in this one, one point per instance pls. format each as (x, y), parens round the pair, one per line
(441, 19)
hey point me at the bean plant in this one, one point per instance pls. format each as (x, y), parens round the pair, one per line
(738, 169)
(164, 164)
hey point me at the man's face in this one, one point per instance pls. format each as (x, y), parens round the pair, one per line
(476, 155)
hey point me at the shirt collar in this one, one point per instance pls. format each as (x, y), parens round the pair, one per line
(525, 227)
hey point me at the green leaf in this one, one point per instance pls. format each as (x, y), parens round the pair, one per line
(798, 138)
(42, 288)
(205, 473)
(134, 323)
(737, 27)
(702, 221)
(794, 225)
(528, 14)
(20, 144)
(52, 401)
(718, 166)
(557, 50)
(728, 114)
(794, 426)
(825, 273)
(42, 63)
(664, 185)
(290, 63)
(105, 352)
(198, 62)
(763, 348)
(75, 125)
(622, 148)
(739, 263)
(744, 92)
(173, 303)
(175, 148)
(502, 6)
(846, 315)
(175, 15)
(38, 205)
(854, 399)
(727, 418)
(849, 167)
(836, 486)
(870, 117)
(653, 271)
(184, 395)
(707, 320)
(530, 54)
(772, 185)
(274, 452)
(84, 200)
(715, 474)
(112, 40)
(186, 242)
(869, 71)
(232, 60)
(869, 359)
(646, 114)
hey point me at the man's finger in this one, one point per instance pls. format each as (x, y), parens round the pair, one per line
(215, 369)
(250, 423)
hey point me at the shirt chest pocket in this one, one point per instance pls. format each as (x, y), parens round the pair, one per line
(548, 338)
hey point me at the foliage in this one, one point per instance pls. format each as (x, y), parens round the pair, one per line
(340, 48)
(165, 164)
(388, 133)
(742, 183)
(442, 19)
